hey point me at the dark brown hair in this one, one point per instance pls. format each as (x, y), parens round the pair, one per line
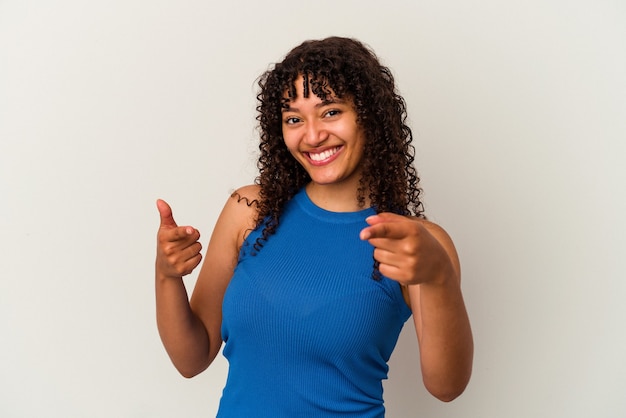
(348, 69)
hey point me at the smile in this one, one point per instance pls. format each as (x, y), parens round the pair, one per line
(324, 155)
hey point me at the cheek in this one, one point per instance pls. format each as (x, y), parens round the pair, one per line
(360, 143)
(289, 141)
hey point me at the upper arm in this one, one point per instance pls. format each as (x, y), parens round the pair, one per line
(447, 245)
(220, 260)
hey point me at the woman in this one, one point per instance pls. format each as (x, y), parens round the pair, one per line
(311, 272)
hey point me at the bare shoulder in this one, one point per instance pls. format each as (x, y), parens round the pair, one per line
(240, 211)
(444, 239)
(238, 216)
(436, 230)
(247, 194)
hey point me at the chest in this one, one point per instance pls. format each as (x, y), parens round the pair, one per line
(312, 292)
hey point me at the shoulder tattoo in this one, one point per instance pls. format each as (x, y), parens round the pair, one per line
(240, 198)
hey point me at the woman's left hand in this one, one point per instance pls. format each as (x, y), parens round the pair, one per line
(405, 247)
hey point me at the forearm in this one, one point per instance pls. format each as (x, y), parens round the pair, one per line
(446, 344)
(184, 336)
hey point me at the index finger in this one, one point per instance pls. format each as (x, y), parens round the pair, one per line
(179, 233)
(385, 217)
(389, 230)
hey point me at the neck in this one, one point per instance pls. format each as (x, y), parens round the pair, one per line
(335, 198)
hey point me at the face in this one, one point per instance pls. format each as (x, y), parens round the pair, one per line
(324, 138)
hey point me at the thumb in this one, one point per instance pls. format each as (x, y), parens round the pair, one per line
(165, 212)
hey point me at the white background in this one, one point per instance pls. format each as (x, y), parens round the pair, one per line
(519, 115)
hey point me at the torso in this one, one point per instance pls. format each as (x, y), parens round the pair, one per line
(304, 321)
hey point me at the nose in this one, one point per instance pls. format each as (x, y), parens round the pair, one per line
(315, 134)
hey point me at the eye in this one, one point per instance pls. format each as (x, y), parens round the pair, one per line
(292, 120)
(332, 112)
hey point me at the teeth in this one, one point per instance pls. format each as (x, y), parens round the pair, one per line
(321, 156)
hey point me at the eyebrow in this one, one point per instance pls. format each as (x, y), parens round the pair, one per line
(335, 100)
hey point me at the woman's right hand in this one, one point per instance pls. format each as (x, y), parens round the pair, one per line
(178, 249)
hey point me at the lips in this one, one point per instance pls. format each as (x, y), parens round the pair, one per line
(323, 156)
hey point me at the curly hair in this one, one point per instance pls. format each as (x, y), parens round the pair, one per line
(345, 68)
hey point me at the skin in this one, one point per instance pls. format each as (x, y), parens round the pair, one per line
(421, 257)
(190, 330)
(326, 139)
(315, 129)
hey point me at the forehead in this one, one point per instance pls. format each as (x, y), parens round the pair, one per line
(300, 102)
(309, 86)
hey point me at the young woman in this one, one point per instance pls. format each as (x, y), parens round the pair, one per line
(311, 272)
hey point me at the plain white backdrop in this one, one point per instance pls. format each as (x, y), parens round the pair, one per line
(519, 115)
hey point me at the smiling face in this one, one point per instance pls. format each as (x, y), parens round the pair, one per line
(325, 138)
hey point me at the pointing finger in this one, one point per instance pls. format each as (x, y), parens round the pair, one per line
(185, 233)
(385, 217)
(397, 228)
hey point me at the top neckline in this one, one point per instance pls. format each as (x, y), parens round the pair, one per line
(304, 201)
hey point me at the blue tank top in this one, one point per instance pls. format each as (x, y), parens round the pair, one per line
(307, 331)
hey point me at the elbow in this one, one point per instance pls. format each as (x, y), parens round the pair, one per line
(447, 393)
(188, 371)
(448, 380)
(188, 374)
(190, 364)
(447, 390)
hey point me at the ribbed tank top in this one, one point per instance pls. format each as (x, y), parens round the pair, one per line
(308, 332)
